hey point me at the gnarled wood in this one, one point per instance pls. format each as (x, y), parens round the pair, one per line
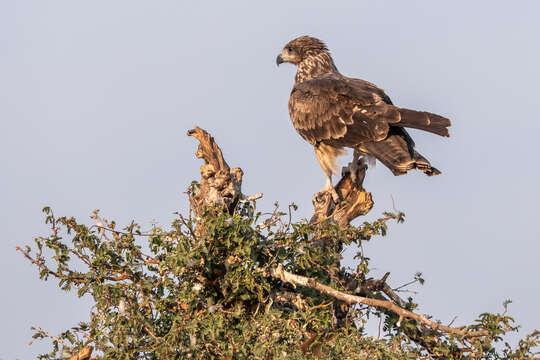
(354, 200)
(220, 186)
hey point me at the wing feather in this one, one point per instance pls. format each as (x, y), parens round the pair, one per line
(341, 111)
(346, 112)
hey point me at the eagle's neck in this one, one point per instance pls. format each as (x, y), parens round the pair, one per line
(314, 66)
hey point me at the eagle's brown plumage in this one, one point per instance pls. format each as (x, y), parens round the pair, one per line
(332, 111)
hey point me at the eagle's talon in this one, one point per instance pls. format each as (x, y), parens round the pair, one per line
(329, 188)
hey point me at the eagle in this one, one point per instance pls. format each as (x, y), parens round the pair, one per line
(332, 112)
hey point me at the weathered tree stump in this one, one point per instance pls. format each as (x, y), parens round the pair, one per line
(220, 186)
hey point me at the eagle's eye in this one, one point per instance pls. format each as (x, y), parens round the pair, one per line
(289, 49)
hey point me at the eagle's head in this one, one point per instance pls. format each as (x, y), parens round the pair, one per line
(301, 48)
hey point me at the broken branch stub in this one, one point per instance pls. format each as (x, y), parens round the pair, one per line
(355, 201)
(220, 186)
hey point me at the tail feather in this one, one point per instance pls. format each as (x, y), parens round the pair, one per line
(424, 121)
(394, 153)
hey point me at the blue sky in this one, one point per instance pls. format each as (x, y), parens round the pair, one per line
(96, 98)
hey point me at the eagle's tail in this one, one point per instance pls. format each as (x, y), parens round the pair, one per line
(424, 121)
(397, 154)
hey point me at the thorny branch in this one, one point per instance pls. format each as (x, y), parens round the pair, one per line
(83, 354)
(46, 334)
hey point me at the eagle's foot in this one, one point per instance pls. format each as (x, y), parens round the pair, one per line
(329, 188)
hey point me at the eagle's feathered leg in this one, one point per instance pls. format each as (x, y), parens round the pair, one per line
(326, 155)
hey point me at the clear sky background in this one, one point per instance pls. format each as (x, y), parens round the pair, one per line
(96, 98)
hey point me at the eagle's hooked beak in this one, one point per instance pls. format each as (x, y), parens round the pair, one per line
(279, 60)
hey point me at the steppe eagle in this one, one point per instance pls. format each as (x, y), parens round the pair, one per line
(332, 112)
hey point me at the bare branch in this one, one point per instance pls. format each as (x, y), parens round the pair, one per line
(46, 334)
(252, 197)
(294, 279)
(37, 261)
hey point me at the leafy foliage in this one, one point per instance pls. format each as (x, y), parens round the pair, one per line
(201, 289)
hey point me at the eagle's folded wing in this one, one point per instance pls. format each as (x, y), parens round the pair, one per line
(348, 112)
(339, 112)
